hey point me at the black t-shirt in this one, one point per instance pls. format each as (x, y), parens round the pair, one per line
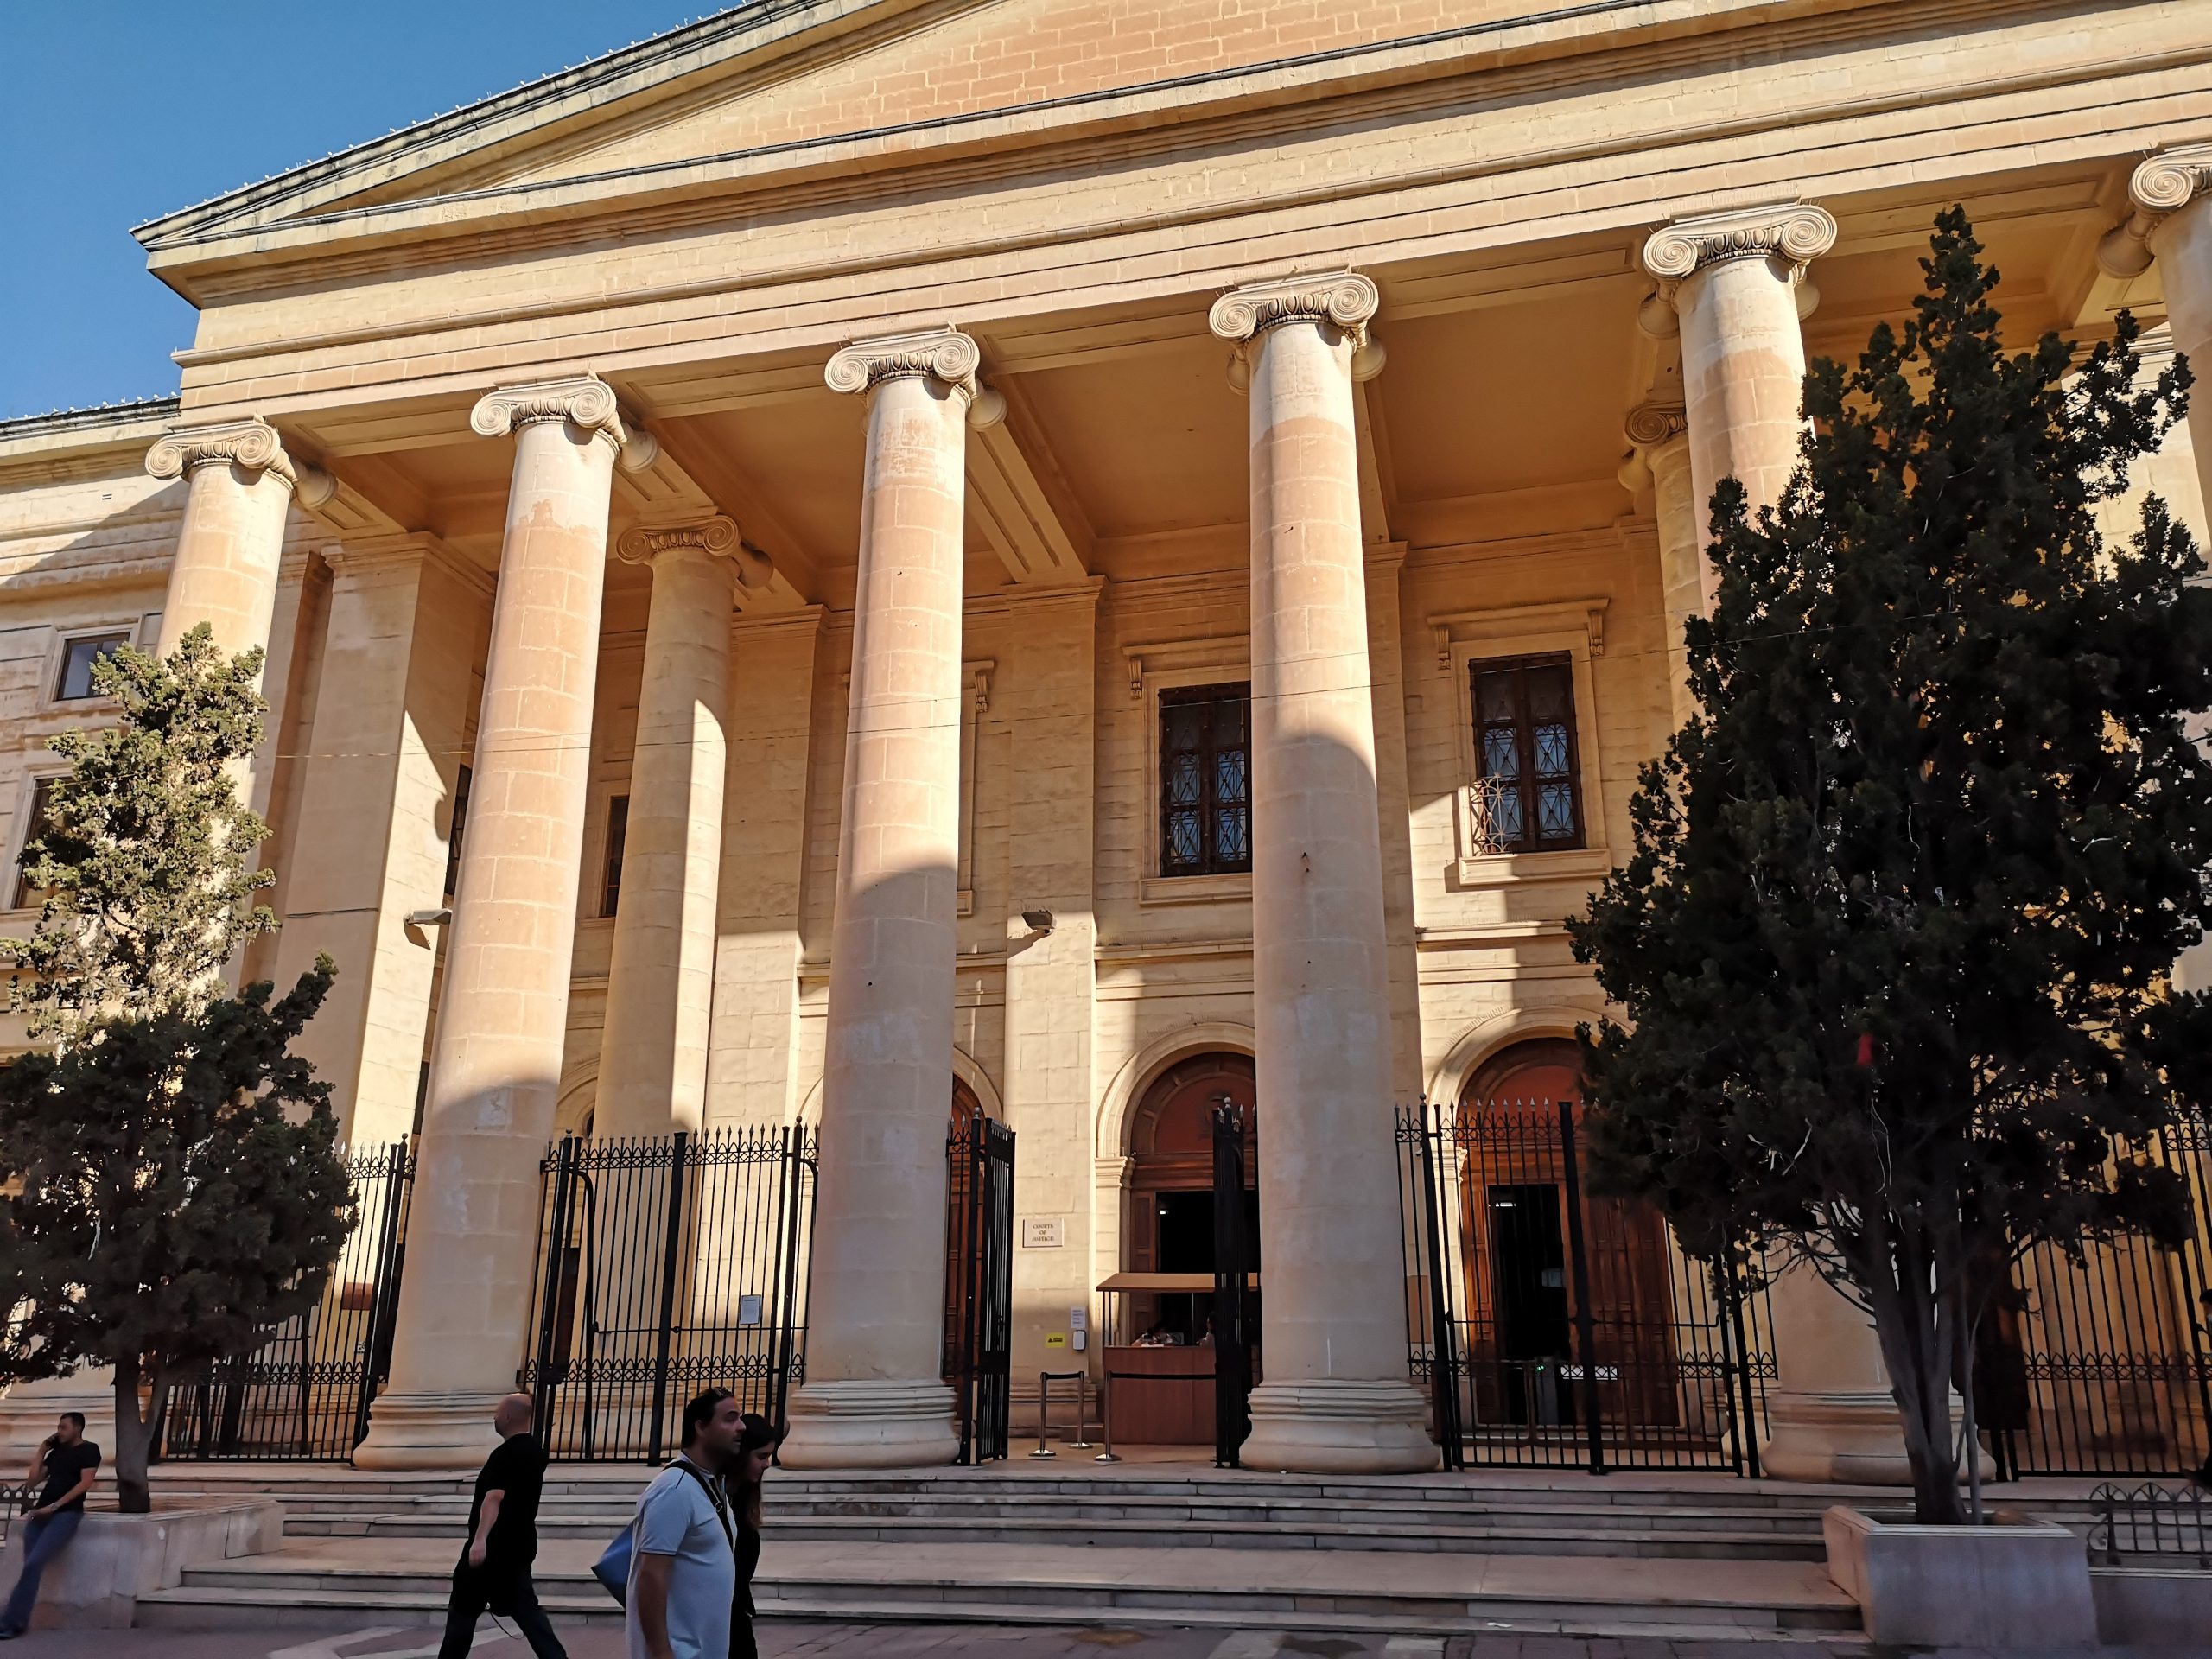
(65, 1466)
(518, 1469)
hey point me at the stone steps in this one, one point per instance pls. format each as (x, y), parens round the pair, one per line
(1111, 1509)
(1497, 1539)
(1438, 1592)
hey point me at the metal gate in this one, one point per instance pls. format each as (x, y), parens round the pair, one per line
(1233, 1312)
(1554, 1329)
(2098, 1365)
(304, 1394)
(667, 1265)
(979, 1283)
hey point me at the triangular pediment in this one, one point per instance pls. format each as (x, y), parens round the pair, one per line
(951, 64)
(799, 77)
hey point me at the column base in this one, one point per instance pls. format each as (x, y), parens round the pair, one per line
(1850, 1438)
(1339, 1427)
(871, 1424)
(429, 1430)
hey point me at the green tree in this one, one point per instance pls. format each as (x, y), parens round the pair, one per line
(1893, 945)
(174, 1183)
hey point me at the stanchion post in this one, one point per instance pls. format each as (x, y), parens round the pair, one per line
(1082, 1412)
(1044, 1414)
(1106, 1415)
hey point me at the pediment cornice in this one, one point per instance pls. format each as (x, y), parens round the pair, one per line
(425, 185)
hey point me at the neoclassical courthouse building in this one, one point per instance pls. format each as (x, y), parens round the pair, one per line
(1073, 551)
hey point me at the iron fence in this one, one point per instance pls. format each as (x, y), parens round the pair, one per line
(667, 1265)
(979, 1284)
(305, 1392)
(2150, 1519)
(2097, 1364)
(1554, 1329)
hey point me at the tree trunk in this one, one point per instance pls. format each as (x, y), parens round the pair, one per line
(133, 1494)
(1920, 1379)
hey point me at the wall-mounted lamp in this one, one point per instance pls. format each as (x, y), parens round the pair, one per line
(417, 920)
(1037, 921)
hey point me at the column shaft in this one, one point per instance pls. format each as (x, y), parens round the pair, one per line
(496, 1065)
(653, 1058)
(753, 1075)
(1833, 1416)
(1684, 570)
(1047, 687)
(1336, 1397)
(874, 1395)
(2184, 245)
(239, 484)
(1394, 815)
(406, 625)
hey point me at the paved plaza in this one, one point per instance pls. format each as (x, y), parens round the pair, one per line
(828, 1641)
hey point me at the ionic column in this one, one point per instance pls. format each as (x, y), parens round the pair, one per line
(1660, 434)
(1737, 282)
(496, 1065)
(875, 1320)
(652, 1056)
(1336, 1398)
(2171, 195)
(241, 484)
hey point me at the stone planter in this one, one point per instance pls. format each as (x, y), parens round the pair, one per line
(2015, 1584)
(116, 1558)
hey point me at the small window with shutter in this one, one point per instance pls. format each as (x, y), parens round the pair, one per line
(618, 829)
(1529, 787)
(1206, 779)
(25, 896)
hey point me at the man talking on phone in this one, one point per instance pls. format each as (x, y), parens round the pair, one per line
(69, 1463)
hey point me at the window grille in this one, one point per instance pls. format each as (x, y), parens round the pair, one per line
(1530, 794)
(1205, 786)
(462, 781)
(618, 828)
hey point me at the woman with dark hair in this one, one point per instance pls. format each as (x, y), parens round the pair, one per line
(749, 1460)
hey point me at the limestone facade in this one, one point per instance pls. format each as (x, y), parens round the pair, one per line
(797, 448)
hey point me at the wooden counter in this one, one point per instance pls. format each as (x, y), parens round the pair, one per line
(1160, 1396)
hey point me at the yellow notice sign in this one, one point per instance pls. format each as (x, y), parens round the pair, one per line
(1056, 1338)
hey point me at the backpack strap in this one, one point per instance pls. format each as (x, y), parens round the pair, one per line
(713, 1490)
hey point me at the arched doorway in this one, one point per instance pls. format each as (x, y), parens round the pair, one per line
(1171, 1185)
(1522, 1276)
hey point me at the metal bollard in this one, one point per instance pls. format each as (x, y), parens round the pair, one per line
(1044, 1414)
(1082, 1412)
(1106, 1416)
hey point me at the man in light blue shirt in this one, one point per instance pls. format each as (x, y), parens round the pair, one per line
(683, 1561)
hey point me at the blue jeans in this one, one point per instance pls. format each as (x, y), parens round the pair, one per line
(44, 1537)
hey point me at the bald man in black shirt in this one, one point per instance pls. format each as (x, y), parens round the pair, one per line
(493, 1571)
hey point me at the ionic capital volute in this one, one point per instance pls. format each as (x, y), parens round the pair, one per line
(1343, 300)
(251, 445)
(716, 538)
(1650, 425)
(2160, 188)
(1648, 428)
(942, 354)
(1795, 233)
(584, 401)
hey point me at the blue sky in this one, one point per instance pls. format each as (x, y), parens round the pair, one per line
(114, 111)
